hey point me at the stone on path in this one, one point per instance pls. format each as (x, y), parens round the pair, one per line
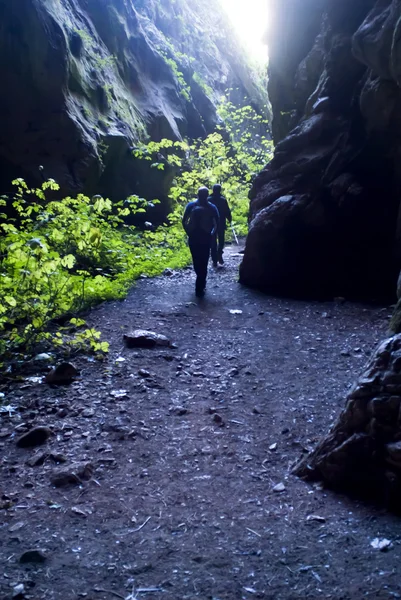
(63, 373)
(33, 556)
(35, 437)
(140, 338)
(75, 474)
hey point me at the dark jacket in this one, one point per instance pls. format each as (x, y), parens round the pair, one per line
(210, 219)
(222, 206)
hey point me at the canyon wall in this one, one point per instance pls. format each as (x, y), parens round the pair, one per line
(324, 215)
(84, 80)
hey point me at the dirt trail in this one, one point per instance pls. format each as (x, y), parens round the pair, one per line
(182, 506)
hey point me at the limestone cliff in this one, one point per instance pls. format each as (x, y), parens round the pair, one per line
(325, 213)
(83, 80)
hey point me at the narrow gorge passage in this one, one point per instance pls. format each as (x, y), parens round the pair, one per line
(184, 504)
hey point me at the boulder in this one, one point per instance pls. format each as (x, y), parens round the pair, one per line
(325, 213)
(362, 451)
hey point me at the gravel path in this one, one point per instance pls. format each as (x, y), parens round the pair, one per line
(191, 495)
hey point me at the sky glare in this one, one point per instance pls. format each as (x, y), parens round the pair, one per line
(251, 19)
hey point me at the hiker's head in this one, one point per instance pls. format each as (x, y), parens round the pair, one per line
(217, 189)
(203, 194)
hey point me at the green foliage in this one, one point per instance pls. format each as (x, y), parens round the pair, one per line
(200, 81)
(233, 163)
(185, 90)
(58, 257)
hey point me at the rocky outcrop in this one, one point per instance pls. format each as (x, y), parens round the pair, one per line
(84, 80)
(324, 215)
(362, 452)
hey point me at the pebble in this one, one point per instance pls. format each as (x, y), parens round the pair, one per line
(62, 374)
(140, 338)
(280, 487)
(218, 419)
(179, 411)
(18, 591)
(33, 556)
(88, 413)
(75, 474)
(35, 437)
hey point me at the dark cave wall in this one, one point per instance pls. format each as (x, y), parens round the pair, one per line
(84, 80)
(324, 212)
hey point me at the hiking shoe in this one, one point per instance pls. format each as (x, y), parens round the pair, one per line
(215, 264)
(221, 261)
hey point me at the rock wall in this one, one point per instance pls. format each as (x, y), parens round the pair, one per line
(83, 80)
(362, 452)
(324, 215)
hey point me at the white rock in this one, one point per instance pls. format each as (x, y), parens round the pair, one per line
(380, 544)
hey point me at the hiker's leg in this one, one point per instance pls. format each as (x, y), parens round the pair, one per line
(203, 257)
(213, 250)
(221, 235)
(196, 248)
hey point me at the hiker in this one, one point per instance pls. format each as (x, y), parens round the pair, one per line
(225, 215)
(200, 221)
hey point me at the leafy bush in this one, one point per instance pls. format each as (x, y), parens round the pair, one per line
(58, 257)
(231, 156)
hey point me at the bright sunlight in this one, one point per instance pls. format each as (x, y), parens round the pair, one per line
(250, 19)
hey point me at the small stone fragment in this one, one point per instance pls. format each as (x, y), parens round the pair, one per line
(235, 311)
(43, 357)
(33, 556)
(35, 437)
(280, 487)
(315, 518)
(19, 592)
(62, 374)
(140, 338)
(118, 393)
(78, 511)
(16, 527)
(381, 544)
(273, 447)
(179, 411)
(38, 459)
(75, 474)
(144, 373)
(88, 413)
(218, 419)
(345, 353)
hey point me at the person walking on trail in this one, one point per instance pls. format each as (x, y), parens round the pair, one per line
(218, 241)
(200, 221)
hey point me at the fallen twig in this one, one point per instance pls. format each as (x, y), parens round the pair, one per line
(141, 526)
(102, 591)
(254, 532)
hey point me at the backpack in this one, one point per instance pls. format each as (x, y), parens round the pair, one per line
(201, 220)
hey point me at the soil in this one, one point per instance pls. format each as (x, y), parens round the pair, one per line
(178, 503)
